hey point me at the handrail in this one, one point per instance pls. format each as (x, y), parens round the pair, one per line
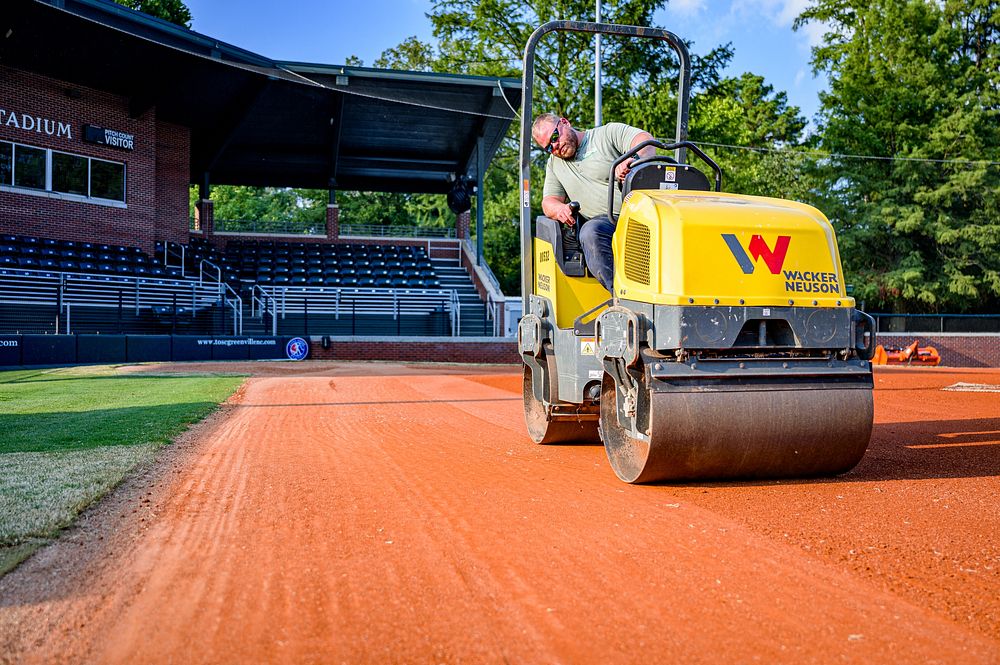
(270, 226)
(494, 294)
(380, 231)
(236, 302)
(456, 314)
(263, 299)
(181, 253)
(201, 271)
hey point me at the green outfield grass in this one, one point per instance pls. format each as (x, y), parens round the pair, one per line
(68, 436)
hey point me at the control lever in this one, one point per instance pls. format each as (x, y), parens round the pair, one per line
(570, 237)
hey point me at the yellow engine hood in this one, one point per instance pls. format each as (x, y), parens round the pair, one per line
(707, 248)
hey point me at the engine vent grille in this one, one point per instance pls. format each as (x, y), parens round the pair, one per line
(637, 253)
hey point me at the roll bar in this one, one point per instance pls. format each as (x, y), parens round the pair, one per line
(527, 84)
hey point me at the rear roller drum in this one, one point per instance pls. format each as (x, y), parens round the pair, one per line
(558, 429)
(774, 433)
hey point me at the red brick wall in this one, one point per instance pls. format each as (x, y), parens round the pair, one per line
(156, 170)
(955, 350)
(409, 351)
(173, 173)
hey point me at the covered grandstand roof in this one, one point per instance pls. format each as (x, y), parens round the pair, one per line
(257, 121)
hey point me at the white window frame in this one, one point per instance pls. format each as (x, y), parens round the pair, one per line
(47, 192)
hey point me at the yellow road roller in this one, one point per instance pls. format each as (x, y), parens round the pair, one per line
(730, 348)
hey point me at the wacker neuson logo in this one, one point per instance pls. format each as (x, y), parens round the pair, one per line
(758, 249)
(796, 281)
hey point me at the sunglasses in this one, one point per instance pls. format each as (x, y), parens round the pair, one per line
(553, 139)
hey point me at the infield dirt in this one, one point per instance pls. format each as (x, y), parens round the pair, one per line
(378, 513)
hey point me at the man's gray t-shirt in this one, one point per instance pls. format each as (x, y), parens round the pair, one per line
(584, 178)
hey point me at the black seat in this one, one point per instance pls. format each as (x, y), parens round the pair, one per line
(665, 176)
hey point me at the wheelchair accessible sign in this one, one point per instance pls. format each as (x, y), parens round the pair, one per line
(297, 348)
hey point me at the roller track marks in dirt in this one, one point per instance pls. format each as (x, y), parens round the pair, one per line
(407, 518)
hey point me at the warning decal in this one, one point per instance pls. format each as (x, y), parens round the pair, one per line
(588, 346)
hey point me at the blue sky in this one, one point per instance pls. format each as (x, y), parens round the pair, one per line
(328, 32)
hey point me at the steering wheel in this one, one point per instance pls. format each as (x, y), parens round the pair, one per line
(657, 158)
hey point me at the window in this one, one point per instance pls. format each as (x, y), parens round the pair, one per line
(6, 163)
(61, 172)
(29, 167)
(107, 180)
(69, 174)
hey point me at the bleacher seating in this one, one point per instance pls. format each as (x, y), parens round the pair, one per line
(54, 256)
(313, 265)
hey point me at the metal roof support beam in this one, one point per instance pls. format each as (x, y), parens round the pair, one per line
(480, 167)
(336, 123)
(204, 187)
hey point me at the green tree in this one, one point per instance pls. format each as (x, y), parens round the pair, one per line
(914, 80)
(244, 206)
(746, 111)
(174, 11)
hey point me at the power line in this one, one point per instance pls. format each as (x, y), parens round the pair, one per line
(839, 155)
(408, 102)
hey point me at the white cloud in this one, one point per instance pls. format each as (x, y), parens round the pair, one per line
(781, 13)
(686, 7)
(814, 32)
(790, 10)
(800, 76)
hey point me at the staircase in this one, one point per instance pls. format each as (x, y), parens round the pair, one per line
(453, 276)
(253, 326)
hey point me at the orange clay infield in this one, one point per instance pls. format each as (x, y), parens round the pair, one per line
(377, 513)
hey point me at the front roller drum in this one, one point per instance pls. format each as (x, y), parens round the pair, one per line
(740, 434)
(546, 428)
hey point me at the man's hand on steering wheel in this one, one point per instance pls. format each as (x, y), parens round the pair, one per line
(622, 169)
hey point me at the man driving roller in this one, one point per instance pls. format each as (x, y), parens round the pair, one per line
(579, 172)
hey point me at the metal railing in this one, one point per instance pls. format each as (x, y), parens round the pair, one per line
(174, 256)
(494, 294)
(47, 300)
(936, 323)
(262, 304)
(264, 226)
(211, 275)
(329, 305)
(379, 231)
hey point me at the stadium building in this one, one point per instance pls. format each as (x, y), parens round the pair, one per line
(108, 116)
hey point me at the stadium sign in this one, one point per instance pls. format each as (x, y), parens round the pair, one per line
(297, 348)
(108, 137)
(33, 123)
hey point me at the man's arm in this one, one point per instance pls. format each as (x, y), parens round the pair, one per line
(622, 170)
(555, 207)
